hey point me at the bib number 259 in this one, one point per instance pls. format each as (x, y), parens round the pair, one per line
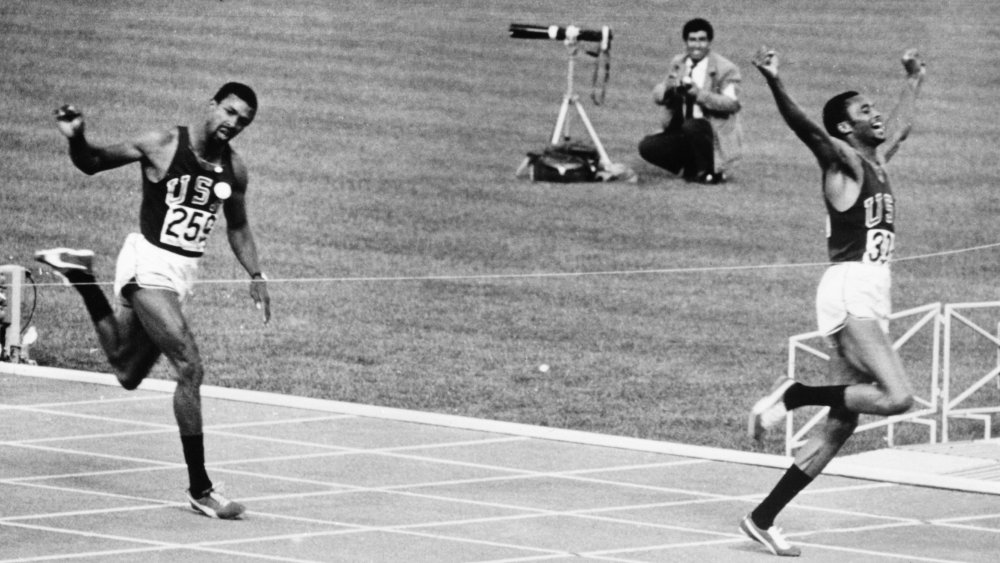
(187, 228)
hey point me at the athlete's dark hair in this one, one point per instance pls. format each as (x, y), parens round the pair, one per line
(697, 24)
(240, 90)
(835, 111)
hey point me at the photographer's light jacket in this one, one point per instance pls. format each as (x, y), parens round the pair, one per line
(721, 110)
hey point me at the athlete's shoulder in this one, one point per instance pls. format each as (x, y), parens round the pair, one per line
(847, 154)
(239, 169)
(158, 140)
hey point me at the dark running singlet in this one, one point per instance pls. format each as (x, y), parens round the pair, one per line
(179, 211)
(865, 232)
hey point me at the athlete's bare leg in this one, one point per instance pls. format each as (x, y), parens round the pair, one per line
(159, 312)
(866, 360)
(872, 382)
(878, 385)
(868, 349)
(839, 426)
(129, 349)
(151, 323)
(134, 339)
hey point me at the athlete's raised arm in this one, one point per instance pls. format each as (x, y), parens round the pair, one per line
(901, 118)
(92, 159)
(828, 152)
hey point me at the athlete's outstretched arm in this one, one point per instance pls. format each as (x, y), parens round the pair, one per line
(91, 159)
(900, 120)
(829, 153)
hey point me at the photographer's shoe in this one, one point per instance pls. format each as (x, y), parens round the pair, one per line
(711, 178)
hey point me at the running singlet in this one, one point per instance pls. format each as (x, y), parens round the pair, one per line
(179, 211)
(865, 232)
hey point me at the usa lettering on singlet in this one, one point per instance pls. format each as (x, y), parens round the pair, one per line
(178, 212)
(866, 231)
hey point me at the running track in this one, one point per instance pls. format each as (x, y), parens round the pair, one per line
(90, 472)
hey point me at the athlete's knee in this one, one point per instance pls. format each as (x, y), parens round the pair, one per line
(183, 354)
(123, 369)
(132, 369)
(119, 358)
(189, 370)
(128, 381)
(190, 373)
(898, 403)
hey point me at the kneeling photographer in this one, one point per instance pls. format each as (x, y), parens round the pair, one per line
(701, 133)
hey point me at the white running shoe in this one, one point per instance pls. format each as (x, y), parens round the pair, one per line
(64, 260)
(214, 505)
(770, 410)
(772, 538)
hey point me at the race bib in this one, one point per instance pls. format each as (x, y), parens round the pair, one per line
(187, 228)
(879, 247)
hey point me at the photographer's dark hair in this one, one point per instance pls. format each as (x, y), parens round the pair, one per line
(240, 90)
(697, 24)
(835, 111)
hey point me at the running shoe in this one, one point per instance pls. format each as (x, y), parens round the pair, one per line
(64, 260)
(214, 505)
(770, 410)
(772, 538)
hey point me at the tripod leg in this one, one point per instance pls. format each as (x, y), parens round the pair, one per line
(560, 129)
(605, 160)
(523, 167)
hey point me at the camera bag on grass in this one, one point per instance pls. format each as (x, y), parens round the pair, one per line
(565, 162)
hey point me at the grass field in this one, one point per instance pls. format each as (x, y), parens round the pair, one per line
(411, 269)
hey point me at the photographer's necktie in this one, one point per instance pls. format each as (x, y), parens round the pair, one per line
(688, 100)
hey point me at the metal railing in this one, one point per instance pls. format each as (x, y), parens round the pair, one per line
(951, 405)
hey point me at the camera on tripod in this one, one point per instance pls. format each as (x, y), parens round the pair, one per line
(568, 34)
(565, 160)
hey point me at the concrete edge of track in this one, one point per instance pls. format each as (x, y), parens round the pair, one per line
(840, 467)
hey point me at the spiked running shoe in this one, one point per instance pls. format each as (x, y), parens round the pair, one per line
(772, 538)
(770, 410)
(214, 505)
(64, 260)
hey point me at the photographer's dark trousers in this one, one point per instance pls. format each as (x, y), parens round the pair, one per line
(689, 148)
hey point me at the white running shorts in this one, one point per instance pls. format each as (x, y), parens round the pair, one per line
(853, 288)
(153, 267)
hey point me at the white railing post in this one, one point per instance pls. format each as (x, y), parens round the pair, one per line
(951, 405)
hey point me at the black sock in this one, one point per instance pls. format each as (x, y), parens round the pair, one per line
(799, 395)
(194, 456)
(790, 485)
(93, 298)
